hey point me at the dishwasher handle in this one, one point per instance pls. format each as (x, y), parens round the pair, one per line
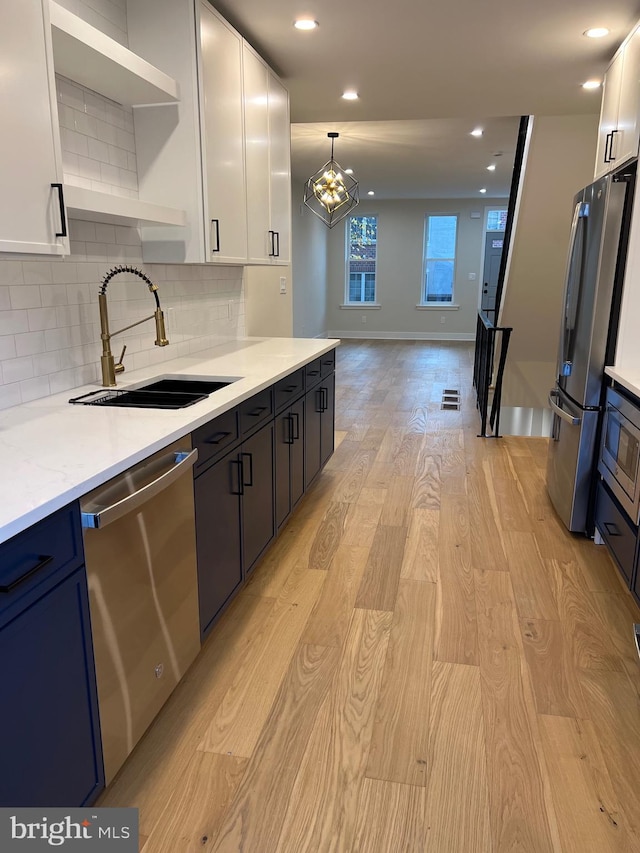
(182, 462)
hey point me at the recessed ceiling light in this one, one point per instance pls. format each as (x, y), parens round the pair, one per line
(477, 132)
(305, 24)
(491, 168)
(348, 171)
(596, 32)
(350, 95)
(591, 84)
(371, 192)
(483, 190)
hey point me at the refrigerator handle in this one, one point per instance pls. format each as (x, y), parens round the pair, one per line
(570, 419)
(573, 277)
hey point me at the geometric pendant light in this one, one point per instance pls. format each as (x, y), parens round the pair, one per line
(329, 193)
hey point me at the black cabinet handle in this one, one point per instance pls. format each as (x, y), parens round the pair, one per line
(313, 372)
(240, 489)
(248, 482)
(289, 437)
(319, 400)
(324, 399)
(611, 528)
(606, 147)
(257, 412)
(43, 560)
(611, 157)
(63, 216)
(276, 251)
(216, 224)
(296, 428)
(217, 437)
(272, 243)
(289, 389)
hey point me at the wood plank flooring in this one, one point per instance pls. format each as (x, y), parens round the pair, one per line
(426, 660)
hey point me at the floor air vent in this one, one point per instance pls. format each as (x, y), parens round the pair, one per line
(450, 400)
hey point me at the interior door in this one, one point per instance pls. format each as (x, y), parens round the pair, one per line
(494, 242)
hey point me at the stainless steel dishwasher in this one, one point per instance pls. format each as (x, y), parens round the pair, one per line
(140, 550)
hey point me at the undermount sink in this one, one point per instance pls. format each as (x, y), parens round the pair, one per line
(165, 392)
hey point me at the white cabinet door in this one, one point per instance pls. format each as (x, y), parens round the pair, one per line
(223, 139)
(256, 122)
(609, 115)
(280, 168)
(625, 139)
(32, 217)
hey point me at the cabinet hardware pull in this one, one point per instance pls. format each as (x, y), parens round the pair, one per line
(240, 489)
(248, 482)
(313, 372)
(325, 398)
(217, 437)
(607, 140)
(289, 389)
(296, 429)
(277, 244)
(319, 400)
(288, 439)
(63, 216)
(272, 244)
(256, 412)
(611, 156)
(614, 528)
(216, 223)
(43, 560)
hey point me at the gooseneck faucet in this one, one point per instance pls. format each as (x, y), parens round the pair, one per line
(107, 363)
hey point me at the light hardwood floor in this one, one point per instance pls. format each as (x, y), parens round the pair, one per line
(424, 661)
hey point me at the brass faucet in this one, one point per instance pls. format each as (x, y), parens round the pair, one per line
(107, 363)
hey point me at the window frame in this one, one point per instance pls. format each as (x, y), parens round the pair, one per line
(348, 302)
(432, 303)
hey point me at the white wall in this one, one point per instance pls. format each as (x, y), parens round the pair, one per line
(399, 273)
(309, 239)
(560, 161)
(269, 312)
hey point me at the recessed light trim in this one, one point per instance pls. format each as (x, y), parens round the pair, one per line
(596, 32)
(591, 84)
(348, 171)
(305, 24)
(491, 168)
(483, 190)
(371, 192)
(350, 95)
(478, 131)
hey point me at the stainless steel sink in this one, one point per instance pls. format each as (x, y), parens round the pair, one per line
(165, 392)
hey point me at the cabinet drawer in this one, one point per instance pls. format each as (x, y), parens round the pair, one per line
(255, 411)
(215, 436)
(287, 390)
(616, 530)
(327, 363)
(32, 557)
(313, 373)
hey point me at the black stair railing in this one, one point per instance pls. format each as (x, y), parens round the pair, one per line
(487, 337)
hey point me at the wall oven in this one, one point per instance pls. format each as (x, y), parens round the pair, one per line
(620, 452)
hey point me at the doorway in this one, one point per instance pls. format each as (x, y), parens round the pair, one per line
(494, 228)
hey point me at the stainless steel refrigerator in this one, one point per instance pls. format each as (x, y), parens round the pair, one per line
(588, 330)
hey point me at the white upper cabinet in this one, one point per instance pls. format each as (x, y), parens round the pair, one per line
(32, 216)
(268, 158)
(619, 131)
(222, 143)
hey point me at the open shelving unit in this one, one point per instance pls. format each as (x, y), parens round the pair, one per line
(87, 56)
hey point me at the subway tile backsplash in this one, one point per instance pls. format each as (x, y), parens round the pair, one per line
(49, 322)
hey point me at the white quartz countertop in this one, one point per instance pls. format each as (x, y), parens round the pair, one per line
(52, 453)
(627, 377)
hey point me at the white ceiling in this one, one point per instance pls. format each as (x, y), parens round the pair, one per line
(414, 64)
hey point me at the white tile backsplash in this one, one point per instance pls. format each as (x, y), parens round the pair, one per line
(49, 320)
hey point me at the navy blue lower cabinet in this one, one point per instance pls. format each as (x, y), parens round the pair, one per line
(217, 499)
(51, 754)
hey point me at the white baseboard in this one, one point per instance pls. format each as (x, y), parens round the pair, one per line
(404, 336)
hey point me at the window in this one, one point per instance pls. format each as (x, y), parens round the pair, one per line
(496, 220)
(362, 238)
(440, 259)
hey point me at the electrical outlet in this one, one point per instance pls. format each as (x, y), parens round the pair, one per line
(472, 276)
(283, 284)
(364, 318)
(442, 318)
